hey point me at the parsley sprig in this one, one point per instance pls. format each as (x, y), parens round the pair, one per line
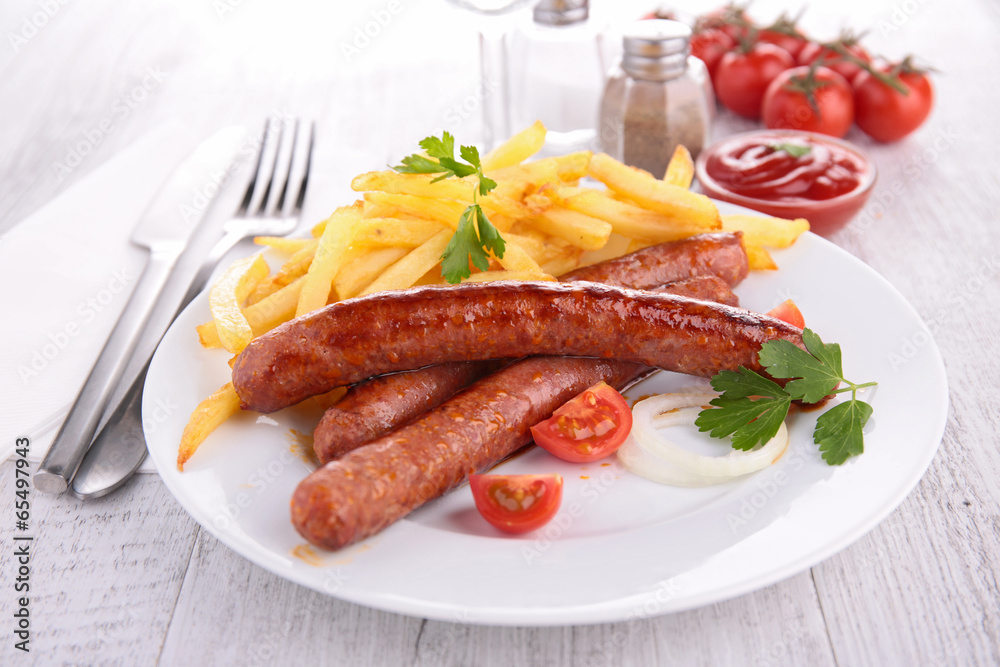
(475, 235)
(751, 407)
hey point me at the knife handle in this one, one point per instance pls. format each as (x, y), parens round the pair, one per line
(71, 443)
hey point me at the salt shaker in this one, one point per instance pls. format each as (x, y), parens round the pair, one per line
(557, 74)
(658, 97)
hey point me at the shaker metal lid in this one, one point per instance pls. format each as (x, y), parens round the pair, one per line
(561, 12)
(655, 38)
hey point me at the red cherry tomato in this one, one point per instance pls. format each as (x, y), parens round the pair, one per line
(787, 105)
(710, 45)
(787, 311)
(789, 42)
(885, 114)
(742, 78)
(731, 19)
(517, 503)
(587, 428)
(812, 52)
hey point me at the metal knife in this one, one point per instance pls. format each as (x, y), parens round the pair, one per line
(164, 229)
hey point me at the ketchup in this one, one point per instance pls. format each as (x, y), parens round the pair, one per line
(755, 167)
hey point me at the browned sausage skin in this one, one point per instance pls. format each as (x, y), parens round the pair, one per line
(352, 340)
(719, 254)
(371, 487)
(382, 404)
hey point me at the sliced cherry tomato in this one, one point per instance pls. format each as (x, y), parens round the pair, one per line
(811, 99)
(710, 45)
(586, 428)
(787, 311)
(810, 53)
(885, 114)
(517, 503)
(742, 78)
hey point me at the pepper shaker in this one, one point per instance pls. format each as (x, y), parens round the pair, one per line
(658, 97)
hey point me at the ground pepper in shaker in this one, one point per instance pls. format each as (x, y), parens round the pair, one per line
(657, 98)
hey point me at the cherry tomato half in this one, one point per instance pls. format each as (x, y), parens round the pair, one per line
(517, 503)
(787, 311)
(586, 428)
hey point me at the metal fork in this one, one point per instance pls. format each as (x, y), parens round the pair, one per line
(120, 447)
(262, 210)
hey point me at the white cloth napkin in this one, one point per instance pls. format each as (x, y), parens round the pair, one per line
(65, 275)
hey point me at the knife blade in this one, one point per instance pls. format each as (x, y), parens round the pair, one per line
(164, 230)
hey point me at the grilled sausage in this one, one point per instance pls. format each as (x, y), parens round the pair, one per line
(384, 403)
(393, 331)
(718, 254)
(371, 487)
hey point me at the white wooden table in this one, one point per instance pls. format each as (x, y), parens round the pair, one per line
(132, 580)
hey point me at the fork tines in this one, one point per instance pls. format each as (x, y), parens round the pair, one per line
(284, 159)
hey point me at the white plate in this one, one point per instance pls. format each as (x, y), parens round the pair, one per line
(621, 547)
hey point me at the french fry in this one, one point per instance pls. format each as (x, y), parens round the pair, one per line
(282, 243)
(209, 414)
(263, 316)
(517, 149)
(358, 273)
(445, 211)
(554, 170)
(408, 270)
(515, 258)
(680, 169)
(625, 218)
(616, 246)
(226, 296)
(294, 268)
(562, 264)
(394, 232)
(489, 276)
(451, 188)
(758, 258)
(583, 231)
(337, 237)
(653, 194)
(766, 231)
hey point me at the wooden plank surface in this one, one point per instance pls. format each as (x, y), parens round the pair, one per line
(131, 579)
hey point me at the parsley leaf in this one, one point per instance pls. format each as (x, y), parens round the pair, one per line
(750, 421)
(475, 235)
(839, 431)
(795, 150)
(751, 407)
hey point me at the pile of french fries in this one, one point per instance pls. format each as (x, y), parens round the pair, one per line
(394, 237)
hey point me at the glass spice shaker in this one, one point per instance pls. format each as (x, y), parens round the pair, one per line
(658, 97)
(557, 73)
